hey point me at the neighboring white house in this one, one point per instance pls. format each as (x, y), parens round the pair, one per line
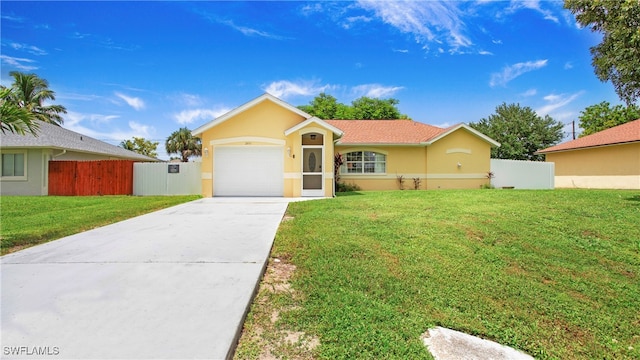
(25, 158)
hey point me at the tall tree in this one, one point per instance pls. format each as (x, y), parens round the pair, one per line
(141, 146)
(326, 107)
(365, 108)
(31, 92)
(603, 116)
(183, 143)
(323, 106)
(617, 57)
(520, 131)
(14, 118)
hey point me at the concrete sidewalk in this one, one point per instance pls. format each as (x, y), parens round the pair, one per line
(175, 283)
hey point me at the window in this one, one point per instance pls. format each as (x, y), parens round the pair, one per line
(14, 165)
(365, 162)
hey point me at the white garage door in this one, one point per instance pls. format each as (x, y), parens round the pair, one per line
(248, 171)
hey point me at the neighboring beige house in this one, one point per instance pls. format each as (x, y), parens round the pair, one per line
(609, 159)
(267, 147)
(25, 158)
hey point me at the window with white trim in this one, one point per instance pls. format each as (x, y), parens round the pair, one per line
(14, 165)
(365, 162)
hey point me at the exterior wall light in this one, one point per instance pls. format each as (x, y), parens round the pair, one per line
(206, 152)
(459, 165)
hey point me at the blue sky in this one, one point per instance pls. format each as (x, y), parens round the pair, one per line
(125, 69)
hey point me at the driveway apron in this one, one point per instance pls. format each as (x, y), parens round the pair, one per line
(175, 283)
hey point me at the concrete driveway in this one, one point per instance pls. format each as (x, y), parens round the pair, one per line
(175, 283)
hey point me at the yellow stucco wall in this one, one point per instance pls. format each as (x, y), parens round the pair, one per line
(616, 166)
(408, 161)
(436, 165)
(260, 125)
(606, 160)
(460, 147)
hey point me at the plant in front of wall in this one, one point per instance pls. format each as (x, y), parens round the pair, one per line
(344, 187)
(416, 183)
(400, 179)
(490, 175)
(337, 162)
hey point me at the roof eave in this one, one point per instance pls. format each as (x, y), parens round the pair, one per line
(545, 151)
(379, 144)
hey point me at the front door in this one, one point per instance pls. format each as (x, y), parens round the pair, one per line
(312, 174)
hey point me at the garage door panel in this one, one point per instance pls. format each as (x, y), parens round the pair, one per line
(248, 171)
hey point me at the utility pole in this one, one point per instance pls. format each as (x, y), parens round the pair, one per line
(573, 127)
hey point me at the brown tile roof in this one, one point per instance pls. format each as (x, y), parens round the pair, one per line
(385, 131)
(627, 132)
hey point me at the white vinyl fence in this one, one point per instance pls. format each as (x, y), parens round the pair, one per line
(522, 174)
(167, 179)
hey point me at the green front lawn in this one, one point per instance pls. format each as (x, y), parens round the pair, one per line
(553, 273)
(32, 220)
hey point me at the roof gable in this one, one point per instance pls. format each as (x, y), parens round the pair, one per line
(625, 133)
(317, 121)
(466, 127)
(242, 108)
(56, 137)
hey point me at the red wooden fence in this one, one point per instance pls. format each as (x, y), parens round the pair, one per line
(86, 178)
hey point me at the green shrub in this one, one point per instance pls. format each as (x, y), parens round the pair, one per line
(344, 187)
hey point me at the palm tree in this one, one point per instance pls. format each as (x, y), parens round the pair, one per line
(14, 118)
(30, 92)
(183, 143)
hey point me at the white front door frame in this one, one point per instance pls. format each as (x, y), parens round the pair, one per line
(312, 192)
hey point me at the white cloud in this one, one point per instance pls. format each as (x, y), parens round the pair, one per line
(77, 122)
(189, 100)
(284, 88)
(530, 92)
(555, 102)
(18, 63)
(535, 5)
(134, 102)
(564, 117)
(248, 31)
(76, 96)
(73, 118)
(350, 21)
(513, 71)
(428, 21)
(404, 51)
(189, 116)
(484, 52)
(12, 18)
(28, 48)
(568, 65)
(375, 90)
(309, 9)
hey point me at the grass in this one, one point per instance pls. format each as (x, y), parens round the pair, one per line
(32, 220)
(555, 274)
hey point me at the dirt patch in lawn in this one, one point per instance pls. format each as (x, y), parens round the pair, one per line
(264, 335)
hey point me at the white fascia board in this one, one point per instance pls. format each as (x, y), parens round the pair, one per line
(317, 121)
